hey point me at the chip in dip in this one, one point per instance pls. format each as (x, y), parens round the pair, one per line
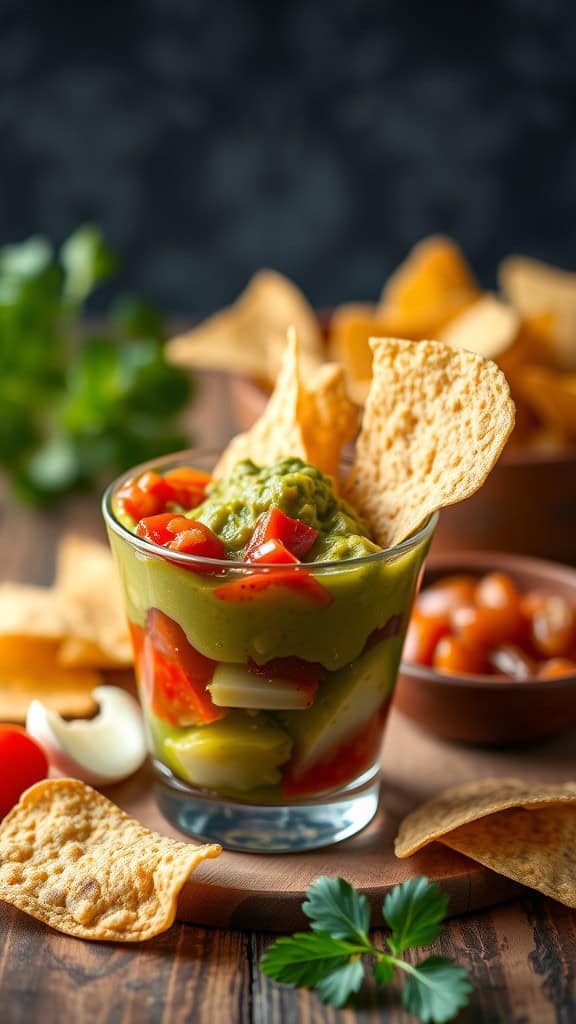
(267, 610)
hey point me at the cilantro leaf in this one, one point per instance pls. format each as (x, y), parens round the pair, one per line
(337, 987)
(414, 911)
(305, 958)
(435, 990)
(334, 906)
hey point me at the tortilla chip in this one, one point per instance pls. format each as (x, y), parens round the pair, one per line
(534, 847)
(435, 422)
(472, 802)
(552, 396)
(489, 327)
(239, 339)
(29, 611)
(310, 424)
(534, 287)
(73, 860)
(431, 287)
(87, 580)
(29, 668)
(351, 328)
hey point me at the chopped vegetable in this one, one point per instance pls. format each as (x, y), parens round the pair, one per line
(296, 536)
(22, 763)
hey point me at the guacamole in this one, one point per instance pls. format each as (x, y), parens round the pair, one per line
(235, 503)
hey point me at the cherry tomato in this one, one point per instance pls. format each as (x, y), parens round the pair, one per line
(557, 667)
(455, 657)
(187, 485)
(511, 661)
(446, 595)
(276, 525)
(496, 590)
(272, 552)
(248, 587)
(423, 634)
(22, 763)
(487, 628)
(554, 627)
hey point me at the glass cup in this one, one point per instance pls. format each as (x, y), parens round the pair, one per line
(265, 689)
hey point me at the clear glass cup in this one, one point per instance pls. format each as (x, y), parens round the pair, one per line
(265, 712)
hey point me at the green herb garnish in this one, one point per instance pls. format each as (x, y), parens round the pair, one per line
(330, 957)
(76, 409)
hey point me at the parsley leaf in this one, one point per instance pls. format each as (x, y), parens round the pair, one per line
(334, 906)
(330, 957)
(414, 911)
(435, 990)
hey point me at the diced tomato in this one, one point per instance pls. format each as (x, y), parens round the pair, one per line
(424, 632)
(340, 766)
(187, 485)
(556, 668)
(271, 552)
(162, 528)
(198, 539)
(251, 586)
(173, 675)
(296, 669)
(454, 656)
(446, 595)
(22, 763)
(276, 525)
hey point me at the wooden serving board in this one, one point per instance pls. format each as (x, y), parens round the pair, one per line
(264, 892)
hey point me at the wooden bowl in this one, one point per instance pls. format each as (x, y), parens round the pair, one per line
(527, 505)
(483, 709)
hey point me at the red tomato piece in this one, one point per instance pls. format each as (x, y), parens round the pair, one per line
(497, 590)
(455, 657)
(296, 669)
(424, 632)
(556, 668)
(554, 627)
(22, 763)
(249, 587)
(162, 528)
(340, 766)
(276, 525)
(198, 539)
(446, 595)
(487, 628)
(174, 675)
(188, 485)
(271, 552)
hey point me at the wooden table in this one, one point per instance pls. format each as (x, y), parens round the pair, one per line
(521, 956)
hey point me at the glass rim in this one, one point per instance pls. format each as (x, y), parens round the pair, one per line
(186, 456)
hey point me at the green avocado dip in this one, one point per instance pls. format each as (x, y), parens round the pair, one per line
(301, 491)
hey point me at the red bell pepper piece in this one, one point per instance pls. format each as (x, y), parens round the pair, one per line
(270, 552)
(276, 525)
(249, 587)
(188, 485)
(173, 675)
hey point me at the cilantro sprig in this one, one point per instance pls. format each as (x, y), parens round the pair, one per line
(76, 409)
(329, 958)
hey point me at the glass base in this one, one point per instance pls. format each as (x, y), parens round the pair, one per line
(268, 828)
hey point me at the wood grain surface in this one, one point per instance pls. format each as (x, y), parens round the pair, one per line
(521, 955)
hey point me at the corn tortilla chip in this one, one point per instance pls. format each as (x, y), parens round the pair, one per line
(73, 860)
(435, 422)
(29, 668)
(30, 611)
(87, 580)
(551, 395)
(239, 339)
(534, 287)
(431, 287)
(311, 424)
(471, 802)
(489, 327)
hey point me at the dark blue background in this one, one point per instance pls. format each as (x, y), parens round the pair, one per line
(211, 137)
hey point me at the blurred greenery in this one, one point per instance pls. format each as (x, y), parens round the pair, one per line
(77, 409)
